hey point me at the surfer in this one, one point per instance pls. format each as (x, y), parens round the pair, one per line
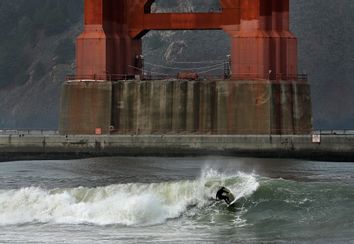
(225, 194)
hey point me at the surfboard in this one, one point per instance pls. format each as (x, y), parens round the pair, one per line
(232, 198)
(233, 202)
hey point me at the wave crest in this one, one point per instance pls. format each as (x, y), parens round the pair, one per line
(125, 204)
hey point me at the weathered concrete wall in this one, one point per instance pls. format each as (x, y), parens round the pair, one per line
(301, 112)
(85, 106)
(187, 107)
(211, 107)
(332, 147)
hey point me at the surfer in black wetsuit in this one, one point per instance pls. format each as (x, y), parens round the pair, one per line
(224, 194)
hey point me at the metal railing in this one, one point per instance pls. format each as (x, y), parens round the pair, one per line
(28, 132)
(333, 132)
(183, 131)
(209, 131)
(271, 77)
(246, 76)
(101, 77)
(118, 77)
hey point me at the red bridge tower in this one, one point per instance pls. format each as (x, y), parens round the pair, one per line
(264, 95)
(259, 31)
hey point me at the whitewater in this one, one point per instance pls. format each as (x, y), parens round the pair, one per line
(125, 204)
(159, 200)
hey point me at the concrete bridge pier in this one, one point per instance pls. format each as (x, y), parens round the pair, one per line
(186, 107)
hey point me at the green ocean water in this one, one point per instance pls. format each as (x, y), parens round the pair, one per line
(172, 200)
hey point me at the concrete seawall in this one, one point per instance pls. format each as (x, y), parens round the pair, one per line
(25, 147)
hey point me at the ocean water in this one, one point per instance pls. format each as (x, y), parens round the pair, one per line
(172, 200)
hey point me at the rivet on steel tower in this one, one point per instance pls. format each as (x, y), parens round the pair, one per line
(110, 93)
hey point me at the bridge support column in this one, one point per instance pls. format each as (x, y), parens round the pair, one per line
(85, 107)
(269, 96)
(263, 47)
(105, 48)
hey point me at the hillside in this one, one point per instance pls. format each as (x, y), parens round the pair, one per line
(37, 51)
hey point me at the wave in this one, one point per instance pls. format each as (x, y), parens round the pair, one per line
(125, 204)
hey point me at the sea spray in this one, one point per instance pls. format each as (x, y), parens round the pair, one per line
(131, 204)
(241, 184)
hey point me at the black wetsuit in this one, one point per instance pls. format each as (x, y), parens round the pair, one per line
(223, 194)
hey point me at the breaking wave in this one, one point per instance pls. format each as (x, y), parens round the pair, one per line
(132, 204)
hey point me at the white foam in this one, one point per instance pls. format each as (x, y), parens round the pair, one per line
(126, 204)
(241, 184)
